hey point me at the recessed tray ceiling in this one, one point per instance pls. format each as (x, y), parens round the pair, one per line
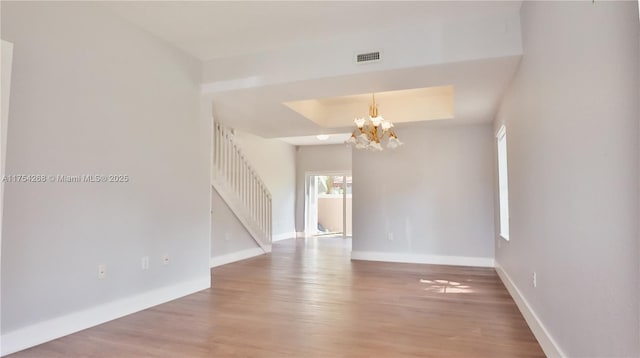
(412, 105)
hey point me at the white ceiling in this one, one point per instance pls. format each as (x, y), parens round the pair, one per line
(214, 29)
(473, 46)
(478, 88)
(338, 138)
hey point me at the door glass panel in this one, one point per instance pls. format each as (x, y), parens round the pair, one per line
(326, 205)
(330, 204)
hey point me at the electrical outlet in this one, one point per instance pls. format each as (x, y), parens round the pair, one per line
(535, 279)
(390, 236)
(165, 259)
(102, 271)
(145, 263)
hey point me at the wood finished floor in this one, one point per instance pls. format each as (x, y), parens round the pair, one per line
(307, 299)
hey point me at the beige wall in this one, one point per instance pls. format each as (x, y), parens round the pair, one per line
(330, 213)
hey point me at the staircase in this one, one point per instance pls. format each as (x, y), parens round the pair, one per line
(240, 187)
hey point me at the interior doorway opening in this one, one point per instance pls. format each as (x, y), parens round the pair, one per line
(328, 204)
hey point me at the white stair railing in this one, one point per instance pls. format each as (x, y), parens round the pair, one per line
(238, 184)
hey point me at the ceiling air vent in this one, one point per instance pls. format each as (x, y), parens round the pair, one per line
(368, 57)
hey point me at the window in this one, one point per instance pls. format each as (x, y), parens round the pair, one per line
(503, 182)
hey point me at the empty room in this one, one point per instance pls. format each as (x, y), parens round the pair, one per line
(320, 179)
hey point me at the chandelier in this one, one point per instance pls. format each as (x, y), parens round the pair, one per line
(370, 133)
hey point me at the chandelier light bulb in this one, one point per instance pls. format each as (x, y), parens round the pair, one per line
(375, 146)
(394, 143)
(363, 139)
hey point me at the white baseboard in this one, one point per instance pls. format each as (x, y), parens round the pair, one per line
(548, 344)
(422, 259)
(236, 256)
(286, 235)
(42, 332)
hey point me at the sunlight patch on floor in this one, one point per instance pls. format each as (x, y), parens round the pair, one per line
(445, 286)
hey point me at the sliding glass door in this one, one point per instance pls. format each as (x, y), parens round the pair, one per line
(328, 204)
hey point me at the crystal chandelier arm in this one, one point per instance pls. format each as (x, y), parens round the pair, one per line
(374, 134)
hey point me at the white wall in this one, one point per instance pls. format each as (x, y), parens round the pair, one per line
(317, 158)
(275, 163)
(7, 58)
(434, 195)
(572, 130)
(92, 94)
(230, 240)
(5, 76)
